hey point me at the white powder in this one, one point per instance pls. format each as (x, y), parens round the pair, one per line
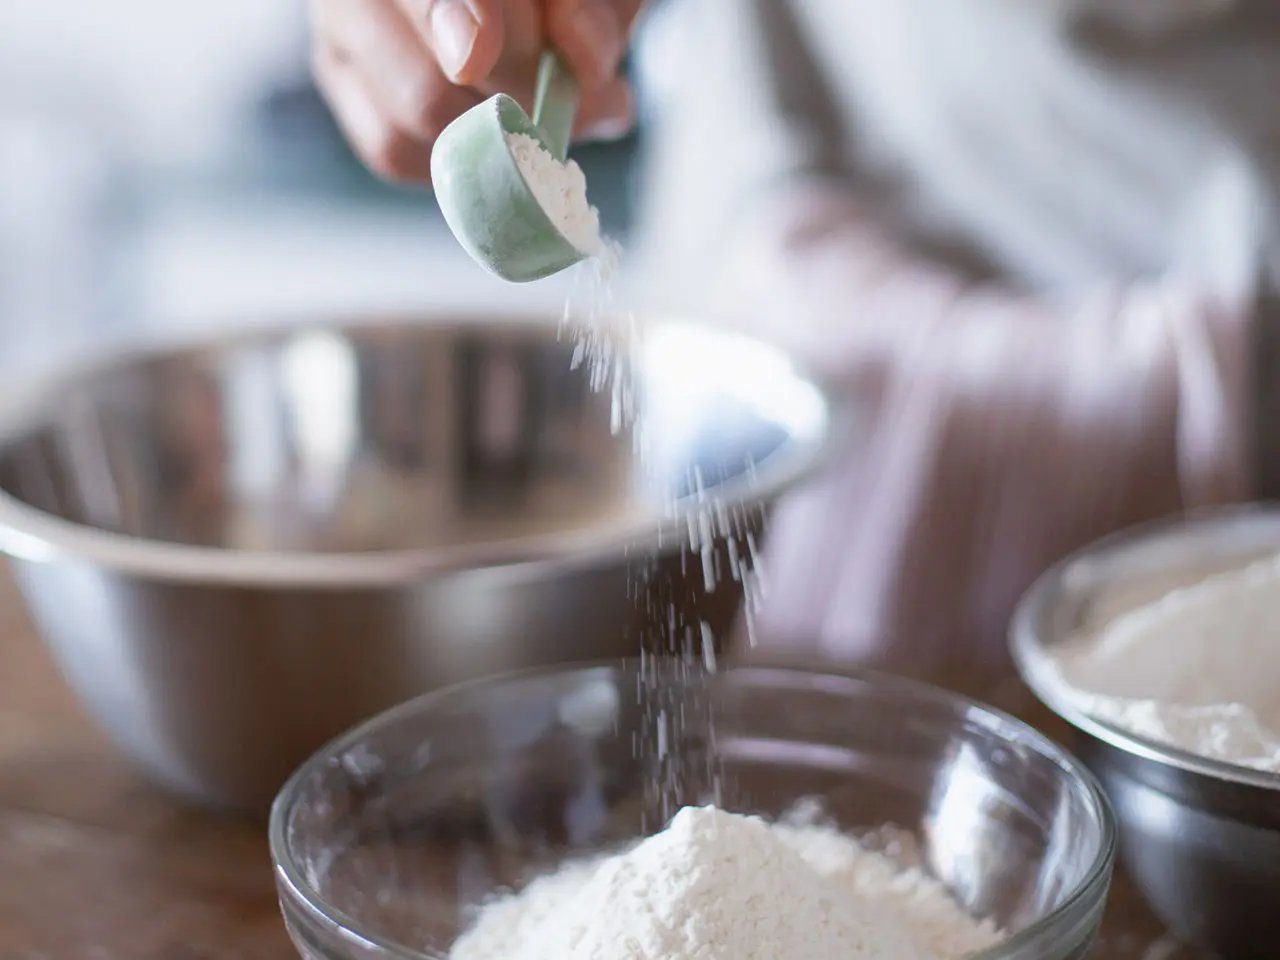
(1198, 669)
(605, 335)
(719, 886)
(561, 191)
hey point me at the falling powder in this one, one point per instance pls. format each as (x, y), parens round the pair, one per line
(678, 730)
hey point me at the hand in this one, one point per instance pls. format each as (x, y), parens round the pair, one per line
(395, 72)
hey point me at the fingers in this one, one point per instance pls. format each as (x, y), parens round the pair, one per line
(383, 48)
(466, 37)
(389, 94)
(591, 35)
(383, 147)
(397, 72)
(606, 111)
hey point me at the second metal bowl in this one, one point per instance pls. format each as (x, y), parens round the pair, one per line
(1201, 838)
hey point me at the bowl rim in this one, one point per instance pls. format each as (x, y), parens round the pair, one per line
(32, 534)
(1031, 656)
(1087, 893)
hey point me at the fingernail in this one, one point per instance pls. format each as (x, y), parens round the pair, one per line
(614, 128)
(453, 30)
(597, 25)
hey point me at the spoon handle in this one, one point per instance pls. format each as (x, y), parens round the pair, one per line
(555, 101)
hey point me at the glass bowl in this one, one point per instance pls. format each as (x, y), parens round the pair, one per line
(386, 840)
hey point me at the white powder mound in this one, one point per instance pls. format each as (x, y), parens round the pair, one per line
(936, 924)
(1198, 669)
(719, 886)
(561, 191)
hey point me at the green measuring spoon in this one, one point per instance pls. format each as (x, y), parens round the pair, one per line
(480, 188)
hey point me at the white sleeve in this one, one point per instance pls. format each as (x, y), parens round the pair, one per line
(743, 108)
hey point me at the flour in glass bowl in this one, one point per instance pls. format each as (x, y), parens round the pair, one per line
(720, 886)
(1198, 669)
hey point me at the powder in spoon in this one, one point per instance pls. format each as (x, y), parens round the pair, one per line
(561, 191)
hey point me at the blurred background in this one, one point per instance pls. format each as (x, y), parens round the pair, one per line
(133, 210)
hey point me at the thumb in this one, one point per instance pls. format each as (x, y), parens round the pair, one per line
(466, 36)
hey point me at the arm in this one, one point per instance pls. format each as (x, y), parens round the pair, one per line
(1154, 375)
(1001, 430)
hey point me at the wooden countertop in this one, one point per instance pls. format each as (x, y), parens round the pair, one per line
(95, 864)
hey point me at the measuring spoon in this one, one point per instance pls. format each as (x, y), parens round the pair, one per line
(481, 191)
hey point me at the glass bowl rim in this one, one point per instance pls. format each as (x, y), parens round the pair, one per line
(1085, 892)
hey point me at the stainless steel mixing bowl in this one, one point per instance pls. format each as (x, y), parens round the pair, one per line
(388, 838)
(238, 549)
(1201, 838)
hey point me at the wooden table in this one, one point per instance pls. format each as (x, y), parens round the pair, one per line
(95, 864)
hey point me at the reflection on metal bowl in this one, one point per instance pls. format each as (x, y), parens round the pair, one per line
(237, 549)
